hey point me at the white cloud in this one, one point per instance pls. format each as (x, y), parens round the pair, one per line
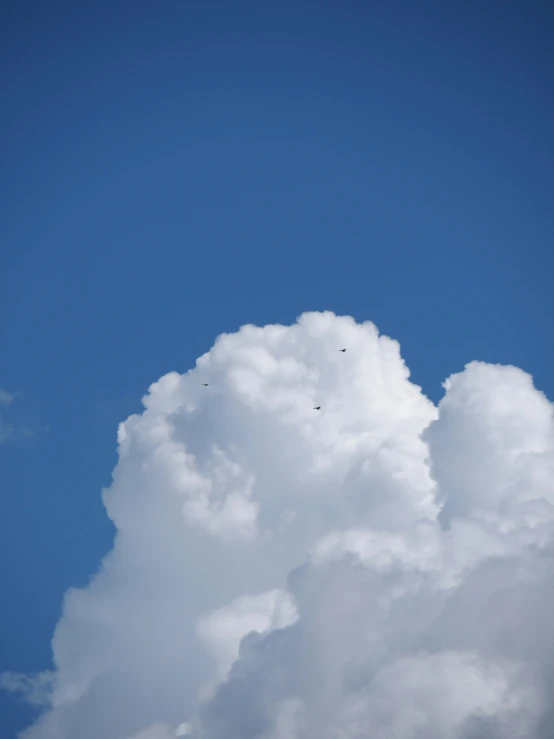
(223, 629)
(381, 567)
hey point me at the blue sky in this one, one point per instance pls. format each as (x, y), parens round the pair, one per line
(174, 170)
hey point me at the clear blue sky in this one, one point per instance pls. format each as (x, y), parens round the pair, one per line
(172, 170)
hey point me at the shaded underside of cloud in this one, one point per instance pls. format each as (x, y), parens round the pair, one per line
(382, 567)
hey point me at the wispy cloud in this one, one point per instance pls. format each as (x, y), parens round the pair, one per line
(5, 398)
(33, 689)
(10, 431)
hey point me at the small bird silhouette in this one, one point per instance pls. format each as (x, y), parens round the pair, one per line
(205, 384)
(342, 350)
(317, 408)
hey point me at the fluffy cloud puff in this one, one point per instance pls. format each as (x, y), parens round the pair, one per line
(381, 567)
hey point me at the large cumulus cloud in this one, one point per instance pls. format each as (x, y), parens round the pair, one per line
(382, 567)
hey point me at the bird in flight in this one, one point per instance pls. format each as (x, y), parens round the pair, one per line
(205, 384)
(342, 350)
(317, 408)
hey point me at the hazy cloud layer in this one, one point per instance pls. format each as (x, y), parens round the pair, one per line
(381, 567)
